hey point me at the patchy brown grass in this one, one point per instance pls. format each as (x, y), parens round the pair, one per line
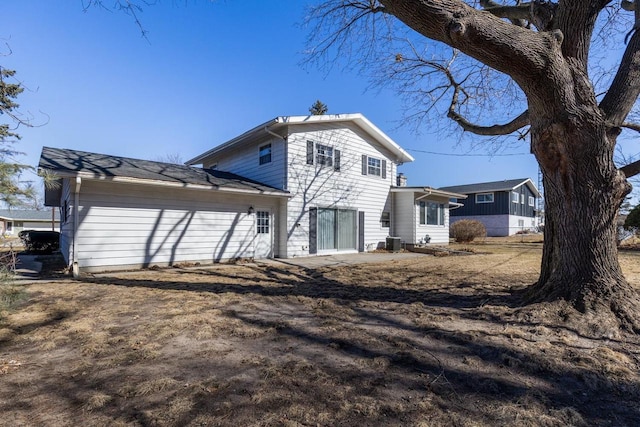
(432, 341)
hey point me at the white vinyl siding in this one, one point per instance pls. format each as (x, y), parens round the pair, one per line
(411, 226)
(315, 186)
(144, 225)
(245, 161)
(404, 217)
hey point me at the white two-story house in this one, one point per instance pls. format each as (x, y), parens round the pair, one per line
(293, 186)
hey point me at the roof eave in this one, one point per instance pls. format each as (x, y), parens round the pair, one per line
(130, 180)
(429, 190)
(401, 155)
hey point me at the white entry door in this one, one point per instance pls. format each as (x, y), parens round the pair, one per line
(264, 235)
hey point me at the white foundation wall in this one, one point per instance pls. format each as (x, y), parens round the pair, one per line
(496, 225)
(501, 225)
(521, 223)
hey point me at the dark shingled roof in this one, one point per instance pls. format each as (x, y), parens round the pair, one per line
(71, 162)
(28, 215)
(483, 187)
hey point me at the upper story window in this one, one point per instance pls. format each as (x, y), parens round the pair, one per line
(431, 213)
(323, 155)
(522, 199)
(532, 201)
(374, 166)
(484, 198)
(265, 154)
(515, 197)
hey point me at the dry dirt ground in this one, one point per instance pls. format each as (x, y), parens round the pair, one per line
(433, 341)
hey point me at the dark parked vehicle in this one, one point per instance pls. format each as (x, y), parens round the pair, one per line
(43, 242)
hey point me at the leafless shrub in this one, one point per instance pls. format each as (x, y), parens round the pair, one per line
(467, 230)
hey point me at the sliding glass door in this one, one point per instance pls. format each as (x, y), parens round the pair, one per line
(336, 229)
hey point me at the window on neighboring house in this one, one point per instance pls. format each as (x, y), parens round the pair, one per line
(385, 220)
(515, 197)
(522, 199)
(431, 213)
(484, 198)
(323, 155)
(9, 227)
(374, 166)
(265, 154)
(532, 201)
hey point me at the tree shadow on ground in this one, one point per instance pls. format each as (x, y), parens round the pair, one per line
(470, 370)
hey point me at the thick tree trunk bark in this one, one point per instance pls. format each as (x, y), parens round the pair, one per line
(583, 191)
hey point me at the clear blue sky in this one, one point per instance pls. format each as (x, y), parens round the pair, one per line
(208, 72)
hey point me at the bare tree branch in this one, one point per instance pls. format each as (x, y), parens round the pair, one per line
(462, 27)
(632, 126)
(631, 169)
(576, 19)
(129, 7)
(499, 129)
(539, 13)
(627, 5)
(625, 87)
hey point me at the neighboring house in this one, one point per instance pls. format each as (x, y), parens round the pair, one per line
(504, 207)
(293, 186)
(14, 221)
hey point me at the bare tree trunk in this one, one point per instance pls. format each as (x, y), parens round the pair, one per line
(583, 191)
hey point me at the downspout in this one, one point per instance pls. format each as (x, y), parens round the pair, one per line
(76, 221)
